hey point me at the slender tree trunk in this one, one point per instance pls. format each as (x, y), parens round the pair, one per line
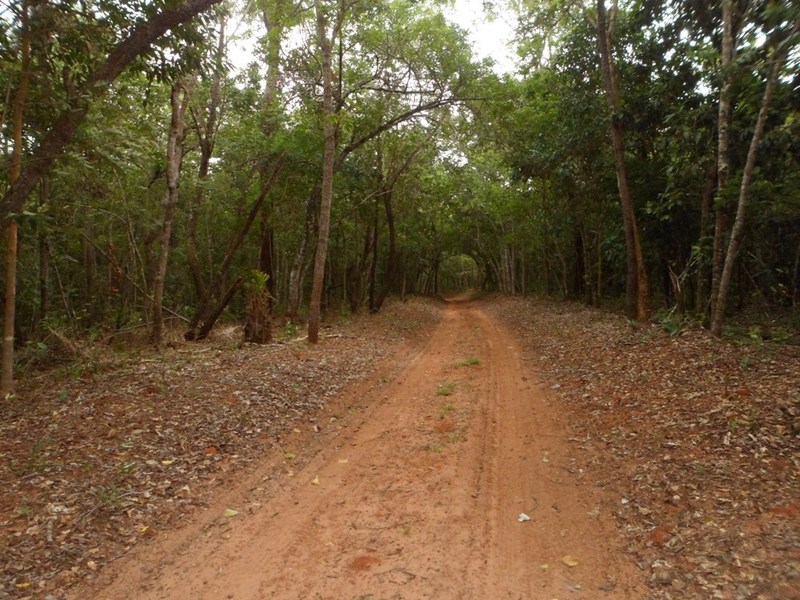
(211, 319)
(266, 254)
(637, 287)
(297, 272)
(44, 264)
(207, 313)
(9, 312)
(701, 293)
(727, 56)
(373, 267)
(752, 156)
(329, 155)
(259, 310)
(206, 137)
(387, 191)
(391, 260)
(179, 101)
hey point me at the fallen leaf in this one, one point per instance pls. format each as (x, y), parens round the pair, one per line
(229, 512)
(570, 561)
(315, 481)
(289, 455)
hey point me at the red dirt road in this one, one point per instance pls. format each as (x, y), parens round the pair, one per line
(412, 489)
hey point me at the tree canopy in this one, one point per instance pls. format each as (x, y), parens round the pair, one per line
(343, 150)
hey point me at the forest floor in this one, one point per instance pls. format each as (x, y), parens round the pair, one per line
(495, 448)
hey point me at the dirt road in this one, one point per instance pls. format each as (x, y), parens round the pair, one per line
(411, 486)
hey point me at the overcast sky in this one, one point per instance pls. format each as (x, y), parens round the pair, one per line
(490, 39)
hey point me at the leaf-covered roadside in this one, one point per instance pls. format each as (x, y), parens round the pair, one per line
(699, 437)
(91, 465)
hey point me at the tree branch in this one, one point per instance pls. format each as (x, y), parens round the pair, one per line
(67, 123)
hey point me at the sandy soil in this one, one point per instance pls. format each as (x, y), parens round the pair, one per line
(411, 487)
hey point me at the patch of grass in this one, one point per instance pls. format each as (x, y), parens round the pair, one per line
(454, 437)
(469, 362)
(445, 409)
(111, 498)
(434, 448)
(445, 389)
(126, 469)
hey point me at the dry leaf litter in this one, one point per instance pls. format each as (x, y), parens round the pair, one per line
(698, 437)
(94, 463)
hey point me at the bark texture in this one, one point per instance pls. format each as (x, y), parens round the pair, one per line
(637, 286)
(179, 100)
(329, 155)
(9, 311)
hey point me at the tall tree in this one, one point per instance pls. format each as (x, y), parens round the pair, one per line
(20, 98)
(179, 100)
(637, 287)
(326, 37)
(727, 56)
(781, 42)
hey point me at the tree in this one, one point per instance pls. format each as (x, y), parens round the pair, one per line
(781, 41)
(67, 123)
(179, 100)
(7, 370)
(325, 39)
(26, 177)
(637, 287)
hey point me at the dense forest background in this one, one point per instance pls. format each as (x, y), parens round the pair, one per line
(175, 162)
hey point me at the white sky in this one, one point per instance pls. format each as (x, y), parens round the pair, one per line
(490, 39)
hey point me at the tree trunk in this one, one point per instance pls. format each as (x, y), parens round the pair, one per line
(9, 312)
(297, 273)
(329, 155)
(179, 102)
(637, 287)
(266, 255)
(727, 56)
(391, 260)
(701, 293)
(67, 123)
(258, 328)
(206, 138)
(737, 231)
(44, 277)
(206, 311)
(373, 267)
(213, 315)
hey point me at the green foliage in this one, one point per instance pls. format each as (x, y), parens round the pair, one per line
(446, 389)
(469, 362)
(507, 183)
(673, 322)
